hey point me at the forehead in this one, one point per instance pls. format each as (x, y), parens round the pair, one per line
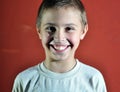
(64, 14)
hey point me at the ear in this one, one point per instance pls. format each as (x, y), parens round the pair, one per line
(84, 32)
(38, 31)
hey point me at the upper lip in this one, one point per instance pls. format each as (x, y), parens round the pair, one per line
(59, 45)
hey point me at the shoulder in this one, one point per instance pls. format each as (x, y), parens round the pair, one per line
(27, 75)
(30, 72)
(93, 76)
(26, 79)
(89, 71)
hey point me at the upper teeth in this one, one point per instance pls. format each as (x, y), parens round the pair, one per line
(60, 47)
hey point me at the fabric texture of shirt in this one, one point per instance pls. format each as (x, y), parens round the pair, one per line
(82, 78)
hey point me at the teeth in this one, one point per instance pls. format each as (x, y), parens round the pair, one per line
(60, 47)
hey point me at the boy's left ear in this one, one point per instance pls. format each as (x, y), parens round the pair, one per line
(38, 31)
(84, 32)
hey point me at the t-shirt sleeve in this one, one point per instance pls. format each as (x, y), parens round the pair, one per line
(17, 86)
(99, 83)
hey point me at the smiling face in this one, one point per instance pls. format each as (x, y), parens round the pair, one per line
(60, 32)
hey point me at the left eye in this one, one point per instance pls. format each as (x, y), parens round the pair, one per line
(68, 29)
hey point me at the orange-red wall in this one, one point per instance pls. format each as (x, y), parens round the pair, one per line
(21, 48)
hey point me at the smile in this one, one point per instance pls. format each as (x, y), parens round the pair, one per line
(60, 48)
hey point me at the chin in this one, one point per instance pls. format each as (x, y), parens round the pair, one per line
(61, 58)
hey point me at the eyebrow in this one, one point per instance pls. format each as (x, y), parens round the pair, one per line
(70, 24)
(53, 24)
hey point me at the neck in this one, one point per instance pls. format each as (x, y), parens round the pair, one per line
(60, 66)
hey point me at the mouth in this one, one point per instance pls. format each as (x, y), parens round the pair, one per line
(59, 48)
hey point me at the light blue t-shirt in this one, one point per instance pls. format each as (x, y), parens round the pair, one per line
(82, 78)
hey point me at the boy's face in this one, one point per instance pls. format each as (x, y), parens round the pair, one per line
(60, 32)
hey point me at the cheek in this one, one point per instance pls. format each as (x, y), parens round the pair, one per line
(75, 39)
(46, 39)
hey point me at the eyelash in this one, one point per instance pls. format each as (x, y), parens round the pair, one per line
(52, 29)
(69, 29)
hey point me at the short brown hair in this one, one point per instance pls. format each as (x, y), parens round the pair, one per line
(46, 4)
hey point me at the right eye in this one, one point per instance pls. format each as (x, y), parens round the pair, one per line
(51, 29)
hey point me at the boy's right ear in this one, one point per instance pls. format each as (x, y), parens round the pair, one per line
(38, 31)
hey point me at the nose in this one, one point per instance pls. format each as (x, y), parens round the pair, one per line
(59, 35)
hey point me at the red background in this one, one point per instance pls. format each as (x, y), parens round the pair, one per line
(21, 48)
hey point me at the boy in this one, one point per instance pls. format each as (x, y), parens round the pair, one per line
(61, 25)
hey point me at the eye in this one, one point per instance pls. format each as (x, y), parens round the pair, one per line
(69, 29)
(51, 29)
